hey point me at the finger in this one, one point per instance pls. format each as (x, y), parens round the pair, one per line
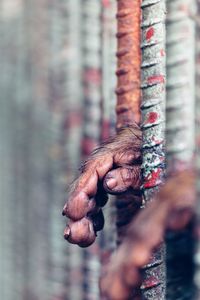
(121, 179)
(123, 148)
(78, 205)
(80, 232)
(79, 202)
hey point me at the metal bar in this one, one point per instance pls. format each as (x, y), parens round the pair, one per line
(92, 76)
(180, 135)
(153, 127)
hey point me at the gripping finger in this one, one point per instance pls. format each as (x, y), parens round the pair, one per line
(80, 201)
(121, 179)
(80, 232)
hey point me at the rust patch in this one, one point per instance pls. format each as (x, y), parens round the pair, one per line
(129, 61)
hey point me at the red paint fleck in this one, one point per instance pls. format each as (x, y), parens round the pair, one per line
(149, 33)
(156, 79)
(162, 52)
(152, 117)
(156, 140)
(150, 282)
(153, 178)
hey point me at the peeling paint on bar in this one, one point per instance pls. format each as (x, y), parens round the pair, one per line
(153, 121)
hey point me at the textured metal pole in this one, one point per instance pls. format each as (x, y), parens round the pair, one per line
(64, 104)
(128, 89)
(28, 250)
(153, 126)
(128, 95)
(9, 245)
(72, 130)
(128, 65)
(109, 46)
(180, 135)
(92, 121)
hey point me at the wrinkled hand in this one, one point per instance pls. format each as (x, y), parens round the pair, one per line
(173, 208)
(112, 168)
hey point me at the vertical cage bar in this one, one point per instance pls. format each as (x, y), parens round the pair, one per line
(153, 127)
(180, 135)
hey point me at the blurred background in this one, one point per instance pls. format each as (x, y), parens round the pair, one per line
(56, 103)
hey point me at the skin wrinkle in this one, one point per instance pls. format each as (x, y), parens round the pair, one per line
(128, 176)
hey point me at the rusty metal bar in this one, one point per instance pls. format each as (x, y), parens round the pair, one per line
(128, 65)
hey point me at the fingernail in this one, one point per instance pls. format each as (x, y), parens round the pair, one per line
(67, 232)
(111, 183)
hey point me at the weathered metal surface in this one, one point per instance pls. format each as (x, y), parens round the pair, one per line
(128, 63)
(36, 92)
(92, 88)
(153, 127)
(109, 61)
(180, 82)
(109, 46)
(65, 104)
(128, 92)
(179, 133)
